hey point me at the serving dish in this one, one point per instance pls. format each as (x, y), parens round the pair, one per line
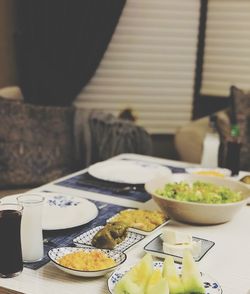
(155, 248)
(193, 212)
(211, 286)
(127, 171)
(140, 220)
(59, 252)
(131, 239)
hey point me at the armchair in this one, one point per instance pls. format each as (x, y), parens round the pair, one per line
(39, 144)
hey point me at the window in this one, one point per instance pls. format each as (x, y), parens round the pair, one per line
(149, 65)
(227, 47)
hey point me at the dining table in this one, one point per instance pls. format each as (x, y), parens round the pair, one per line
(228, 261)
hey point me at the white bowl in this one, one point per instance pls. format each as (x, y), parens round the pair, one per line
(197, 213)
(56, 253)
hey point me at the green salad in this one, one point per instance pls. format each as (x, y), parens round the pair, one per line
(199, 191)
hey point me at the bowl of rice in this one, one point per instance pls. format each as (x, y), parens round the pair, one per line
(198, 199)
(86, 261)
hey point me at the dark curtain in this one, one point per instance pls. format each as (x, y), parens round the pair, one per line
(60, 43)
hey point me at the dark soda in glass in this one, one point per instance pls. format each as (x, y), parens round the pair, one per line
(10, 241)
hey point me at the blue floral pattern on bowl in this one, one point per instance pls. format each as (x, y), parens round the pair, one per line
(62, 201)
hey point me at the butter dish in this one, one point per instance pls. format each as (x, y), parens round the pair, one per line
(155, 247)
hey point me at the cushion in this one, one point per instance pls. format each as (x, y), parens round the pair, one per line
(11, 92)
(189, 140)
(36, 143)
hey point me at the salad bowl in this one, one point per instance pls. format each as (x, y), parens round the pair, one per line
(196, 212)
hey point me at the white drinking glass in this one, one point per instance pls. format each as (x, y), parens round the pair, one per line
(31, 227)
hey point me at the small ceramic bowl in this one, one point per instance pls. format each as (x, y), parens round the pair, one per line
(215, 172)
(56, 253)
(193, 212)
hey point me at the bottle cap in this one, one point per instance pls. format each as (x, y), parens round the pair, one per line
(235, 131)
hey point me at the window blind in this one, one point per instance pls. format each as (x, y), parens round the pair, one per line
(227, 47)
(149, 65)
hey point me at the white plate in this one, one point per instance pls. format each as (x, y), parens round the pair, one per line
(61, 211)
(131, 239)
(211, 286)
(126, 171)
(56, 253)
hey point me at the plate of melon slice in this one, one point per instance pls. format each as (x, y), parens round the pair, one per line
(163, 277)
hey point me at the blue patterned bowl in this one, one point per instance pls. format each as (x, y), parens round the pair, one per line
(56, 253)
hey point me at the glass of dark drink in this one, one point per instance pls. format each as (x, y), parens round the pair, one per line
(11, 263)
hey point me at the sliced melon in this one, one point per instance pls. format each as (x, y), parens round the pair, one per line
(135, 281)
(127, 286)
(191, 277)
(157, 284)
(141, 272)
(169, 272)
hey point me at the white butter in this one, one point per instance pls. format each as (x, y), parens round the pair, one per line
(194, 247)
(174, 237)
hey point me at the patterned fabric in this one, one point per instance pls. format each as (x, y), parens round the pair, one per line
(100, 135)
(36, 143)
(112, 136)
(241, 102)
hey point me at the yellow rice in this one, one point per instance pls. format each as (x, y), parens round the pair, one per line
(87, 261)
